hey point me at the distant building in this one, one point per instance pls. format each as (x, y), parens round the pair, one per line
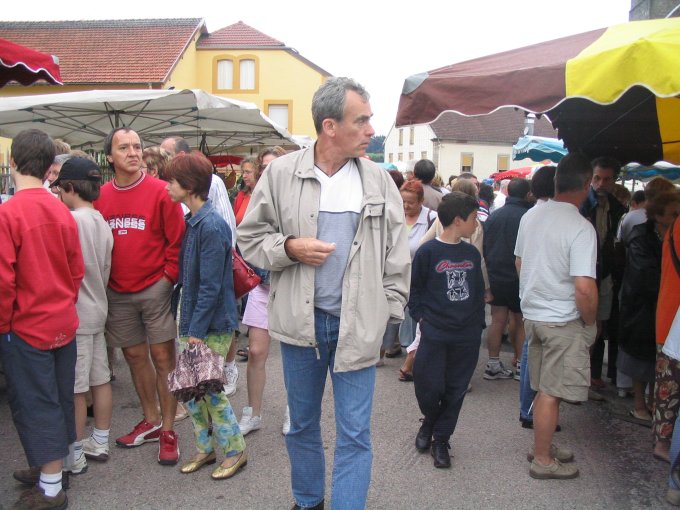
(456, 143)
(652, 9)
(237, 61)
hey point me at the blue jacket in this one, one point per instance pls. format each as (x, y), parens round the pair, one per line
(208, 305)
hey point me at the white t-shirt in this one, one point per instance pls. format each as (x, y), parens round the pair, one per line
(339, 212)
(629, 220)
(96, 243)
(498, 201)
(555, 244)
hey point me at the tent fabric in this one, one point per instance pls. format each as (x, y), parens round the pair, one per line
(538, 148)
(25, 65)
(608, 92)
(83, 119)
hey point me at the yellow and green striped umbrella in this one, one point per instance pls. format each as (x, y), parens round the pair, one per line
(609, 92)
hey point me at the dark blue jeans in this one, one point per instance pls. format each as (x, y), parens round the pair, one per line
(526, 394)
(40, 393)
(442, 370)
(305, 376)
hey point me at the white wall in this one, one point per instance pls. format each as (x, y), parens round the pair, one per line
(447, 156)
(422, 143)
(485, 158)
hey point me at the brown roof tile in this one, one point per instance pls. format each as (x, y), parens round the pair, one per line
(108, 51)
(238, 35)
(503, 126)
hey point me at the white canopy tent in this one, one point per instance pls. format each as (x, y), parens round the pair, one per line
(83, 119)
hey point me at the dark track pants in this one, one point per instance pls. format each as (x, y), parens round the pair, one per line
(442, 370)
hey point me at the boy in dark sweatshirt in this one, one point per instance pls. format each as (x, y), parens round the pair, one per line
(447, 299)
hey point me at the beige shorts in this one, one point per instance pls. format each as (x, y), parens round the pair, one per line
(92, 363)
(559, 360)
(138, 317)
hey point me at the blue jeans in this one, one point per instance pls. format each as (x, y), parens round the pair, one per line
(407, 330)
(526, 394)
(304, 373)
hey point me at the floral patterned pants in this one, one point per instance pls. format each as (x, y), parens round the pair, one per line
(215, 408)
(667, 396)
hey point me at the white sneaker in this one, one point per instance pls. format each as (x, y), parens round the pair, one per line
(249, 422)
(77, 466)
(497, 372)
(231, 375)
(518, 372)
(95, 451)
(286, 422)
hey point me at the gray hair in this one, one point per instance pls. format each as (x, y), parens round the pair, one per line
(60, 159)
(329, 101)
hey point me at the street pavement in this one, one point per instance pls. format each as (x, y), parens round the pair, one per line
(490, 470)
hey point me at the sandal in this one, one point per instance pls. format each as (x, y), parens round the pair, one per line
(405, 376)
(243, 352)
(637, 416)
(393, 353)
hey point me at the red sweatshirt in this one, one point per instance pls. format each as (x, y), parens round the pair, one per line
(41, 267)
(147, 233)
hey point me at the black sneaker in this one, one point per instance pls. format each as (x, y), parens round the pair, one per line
(424, 437)
(440, 453)
(316, 507)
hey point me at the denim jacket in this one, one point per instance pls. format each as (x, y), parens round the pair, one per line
(208, 305)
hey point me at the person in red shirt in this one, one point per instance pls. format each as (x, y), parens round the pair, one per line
(41, 267)
(147, 231)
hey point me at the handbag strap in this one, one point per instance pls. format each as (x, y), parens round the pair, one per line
(674, 254)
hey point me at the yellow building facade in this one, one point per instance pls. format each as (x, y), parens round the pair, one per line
(279, 81)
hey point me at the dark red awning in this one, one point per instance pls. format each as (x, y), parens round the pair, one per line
(25, 65)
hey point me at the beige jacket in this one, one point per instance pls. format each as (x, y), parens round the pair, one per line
(375, 286)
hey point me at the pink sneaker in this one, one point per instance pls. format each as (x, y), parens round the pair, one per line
(144, 432)
(168, 449)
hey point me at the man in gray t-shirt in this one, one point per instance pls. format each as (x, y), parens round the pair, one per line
(558, 293)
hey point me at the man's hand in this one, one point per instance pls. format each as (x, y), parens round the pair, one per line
(488, 296)
(308, 250)
(193, 340)
(586, 299)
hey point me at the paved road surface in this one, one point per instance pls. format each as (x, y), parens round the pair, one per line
(489, 471)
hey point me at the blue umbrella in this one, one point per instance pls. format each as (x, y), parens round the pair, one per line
(538, 148)
(389, 166)
(645, 173)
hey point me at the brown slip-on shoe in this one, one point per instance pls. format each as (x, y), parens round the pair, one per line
(555, 471)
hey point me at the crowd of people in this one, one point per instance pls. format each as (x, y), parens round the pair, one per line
(355, 264)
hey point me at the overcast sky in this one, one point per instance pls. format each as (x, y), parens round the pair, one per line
(379, 43)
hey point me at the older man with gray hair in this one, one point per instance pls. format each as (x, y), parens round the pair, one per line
(329, 224)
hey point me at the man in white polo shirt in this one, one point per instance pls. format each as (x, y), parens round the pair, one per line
(558, 293)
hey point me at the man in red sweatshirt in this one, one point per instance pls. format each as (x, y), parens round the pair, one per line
(147, 231)
(41, 267)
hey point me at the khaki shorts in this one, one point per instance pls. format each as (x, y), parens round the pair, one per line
(138, 317)
(92, 363)
(559, 361)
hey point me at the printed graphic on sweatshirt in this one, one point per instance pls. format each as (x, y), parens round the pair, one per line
(456, 278)
(121, 223)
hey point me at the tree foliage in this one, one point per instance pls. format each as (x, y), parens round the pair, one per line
(377, 145)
